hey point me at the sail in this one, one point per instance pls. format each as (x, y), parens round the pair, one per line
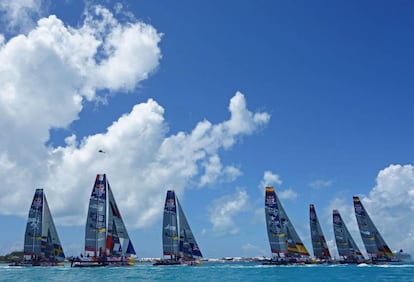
(33, 234)
(188, 246)
(275, 213)
(106, 238)
(373, 241)
(170, 240)
(320, 248)
(41, 238)
(50, 239)
(95, 230)
(346, 245)
(118, 241)
(294, 243)
(275, 232)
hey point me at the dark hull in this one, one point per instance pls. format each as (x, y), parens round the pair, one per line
(274, 262)
(285, 261)
(35, 264)
(91, 263)
(167, 262)
(297, 262)
(88, 264)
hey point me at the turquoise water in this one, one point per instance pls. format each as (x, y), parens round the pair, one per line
(213, 272)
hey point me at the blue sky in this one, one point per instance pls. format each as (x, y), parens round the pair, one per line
(214, 99)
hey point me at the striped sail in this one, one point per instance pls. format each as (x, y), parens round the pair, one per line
(295, 246)
(320, 248)
(275, 231)
(294, 243)
(41, 239)
(373, 241)
(347, 248)
(118, 242)
(188, 246)
(170, 240)
(95, 230)
(51, 246)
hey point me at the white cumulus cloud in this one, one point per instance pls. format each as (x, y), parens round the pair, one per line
(20, 15)
(390, 205)
(269, 179)
(48, 73)
(214, 171)
(44, 78)
(224, 209)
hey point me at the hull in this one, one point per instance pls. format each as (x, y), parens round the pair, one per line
(289, 261)
(351, 261)
(167, 262)
(275, 262)
(36, 263)
(101, 262)
(176, 262)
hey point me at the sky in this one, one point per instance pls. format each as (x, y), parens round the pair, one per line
(215, 100)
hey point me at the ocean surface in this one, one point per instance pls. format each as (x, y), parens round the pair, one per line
(229, 271)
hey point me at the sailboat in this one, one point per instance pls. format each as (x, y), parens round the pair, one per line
(320, 248)
(285, 244)
(107, 242)
(42, 246)
(178, 241)
(375, 245)
(347, 248)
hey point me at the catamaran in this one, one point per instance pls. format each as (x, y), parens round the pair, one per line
(377, 249)
(285, 244)
(347, 248)
(320, 248)
(178, 241)
(42, 246)
(107, 242)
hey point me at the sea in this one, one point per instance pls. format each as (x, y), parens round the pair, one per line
(213, 271)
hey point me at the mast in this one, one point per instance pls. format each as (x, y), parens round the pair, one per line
(374, 243)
